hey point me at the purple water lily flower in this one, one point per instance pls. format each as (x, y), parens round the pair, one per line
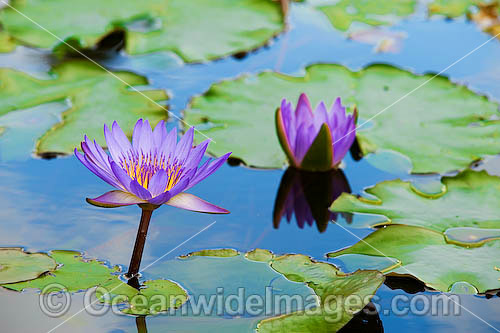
(315, 141)
(155, 169)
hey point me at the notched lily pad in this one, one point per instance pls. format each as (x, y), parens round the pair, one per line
(426, 255)
(197, 30)
(242, 111)
(17, 265)
(212, 253)
(7, 44)
(464, 196)
(340, 295)
(342, 14)
(96, 97)
(260, 255)
(75, 273)
(155, 297)
(485, 13)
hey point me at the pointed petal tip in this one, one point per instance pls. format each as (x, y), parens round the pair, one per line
(191, 202)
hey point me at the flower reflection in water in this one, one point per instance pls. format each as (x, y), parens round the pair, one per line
(308, 196)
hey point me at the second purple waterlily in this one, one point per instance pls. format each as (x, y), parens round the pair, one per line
(153, 170)
(315, 141)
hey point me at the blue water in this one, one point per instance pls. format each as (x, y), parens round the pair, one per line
(42, 203)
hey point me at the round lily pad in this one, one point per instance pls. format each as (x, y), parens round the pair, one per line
(17, 265)
(239, 115)
(7, 44)
(425, 254)
(75, 273)
(197, 30)
(258, 270)
(342, 14)
(96, 97)
(333, 289)
(470, 199)
(213, 253)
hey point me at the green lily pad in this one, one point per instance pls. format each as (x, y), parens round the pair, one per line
(155, 297)
(343, 13)
(458, 205)
(17, 265)
(239, 115)
(75, 274)
(341, 295)
(96, 97)
(260, 255)
(196, 30)
(21, 129)
(262, 274)
(78, 274)
(7, 44)
(425, 254)
(213, 253)
(452, 8)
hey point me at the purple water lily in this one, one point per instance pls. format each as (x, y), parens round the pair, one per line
(155, 169)
(151, 171)
(315, 141)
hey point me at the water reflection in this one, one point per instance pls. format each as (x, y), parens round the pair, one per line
(308, 195)
(367, 320)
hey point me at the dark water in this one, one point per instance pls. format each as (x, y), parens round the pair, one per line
(42, 203)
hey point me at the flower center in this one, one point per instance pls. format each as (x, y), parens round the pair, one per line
(142, 167)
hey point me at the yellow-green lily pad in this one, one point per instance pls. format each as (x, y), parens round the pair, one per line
(75, 274)
(470, 199)
(239, 115)
(17, 265)
(425, 254)
(7, 44)
(96, 97)
(197, 30)
(342, 14)
(340, 295)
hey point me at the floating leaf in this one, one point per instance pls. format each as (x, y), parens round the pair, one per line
(470, 199)
(486, 14)
(78, 274)
(7, 44)
(96, 97)
(332, 287)
(344, 13)
(17, 265)
(424, 254)
(262, 274)
(23, 128)
(451, 8)
(260, 255)
(75, 274)
(213, 253)
(156, 296)
(196, 30)
(240, 113)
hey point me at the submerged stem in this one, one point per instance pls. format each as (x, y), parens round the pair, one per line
(140, 241)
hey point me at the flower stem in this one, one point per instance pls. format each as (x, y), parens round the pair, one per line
(140, 323)
(140, 241)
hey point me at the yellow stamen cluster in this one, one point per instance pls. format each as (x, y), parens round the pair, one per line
(143, 166)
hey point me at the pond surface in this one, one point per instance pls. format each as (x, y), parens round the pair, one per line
(42, 203)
